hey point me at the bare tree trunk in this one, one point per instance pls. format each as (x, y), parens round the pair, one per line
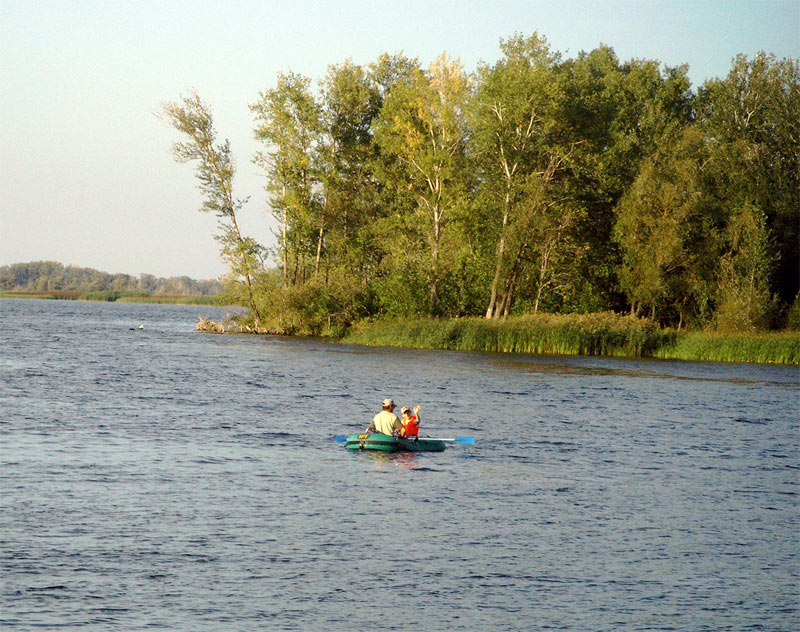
(538, 298)
(247, 273)
(285, 256)
(504, 307)
(509, 174)
(437, 226)
(498, 264)
(544, 269)
(319, 244)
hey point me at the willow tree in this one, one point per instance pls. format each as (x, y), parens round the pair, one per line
(422, 124)
(215, 171)
(667, 232)
(752, 119)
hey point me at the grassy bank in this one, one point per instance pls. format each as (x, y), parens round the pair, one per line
(120, 296)
(51, 295)
(781, 347)
(170, 300)
(578, 334)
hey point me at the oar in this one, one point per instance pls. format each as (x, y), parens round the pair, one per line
(464, 440)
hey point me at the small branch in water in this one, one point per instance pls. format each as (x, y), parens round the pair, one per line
(209, 326)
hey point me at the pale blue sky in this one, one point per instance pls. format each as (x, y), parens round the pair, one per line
(86, 169)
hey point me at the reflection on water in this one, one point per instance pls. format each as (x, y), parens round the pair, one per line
(164, 479)
(648, 368)
(391, 461)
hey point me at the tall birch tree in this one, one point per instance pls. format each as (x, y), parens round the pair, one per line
(524, 149)
(423, 125)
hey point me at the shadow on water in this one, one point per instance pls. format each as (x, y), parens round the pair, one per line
(392, 461)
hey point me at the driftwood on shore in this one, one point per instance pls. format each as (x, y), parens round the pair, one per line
(231, 326)
(209, 326)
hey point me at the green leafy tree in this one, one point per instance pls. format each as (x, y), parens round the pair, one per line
(345, 160)
(752, 119)
(667, 239)
(525, 151)
(422, 124)
(743, 297)
(620, 112)
(288, 124)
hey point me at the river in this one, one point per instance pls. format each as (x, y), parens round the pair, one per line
(158, 478)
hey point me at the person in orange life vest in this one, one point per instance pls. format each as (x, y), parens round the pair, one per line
(386, 422)
(411, 422)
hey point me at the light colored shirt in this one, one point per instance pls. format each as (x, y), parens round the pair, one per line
(385, 422)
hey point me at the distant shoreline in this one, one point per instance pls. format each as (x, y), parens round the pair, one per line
(111, 296)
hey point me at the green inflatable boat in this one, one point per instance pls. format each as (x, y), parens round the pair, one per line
(387, 443)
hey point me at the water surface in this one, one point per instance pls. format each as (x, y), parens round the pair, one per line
(159, 478)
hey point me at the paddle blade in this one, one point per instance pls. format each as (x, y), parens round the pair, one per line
(340, 439)
(464, 440)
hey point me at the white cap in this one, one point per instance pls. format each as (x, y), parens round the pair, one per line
(388, 402)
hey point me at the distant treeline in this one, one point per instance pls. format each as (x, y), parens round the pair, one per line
(537, 183)
(50, 276)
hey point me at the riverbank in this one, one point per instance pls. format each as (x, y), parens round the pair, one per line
(113, 296)
(579, 334)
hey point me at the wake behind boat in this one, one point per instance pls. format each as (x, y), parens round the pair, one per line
(388, 443)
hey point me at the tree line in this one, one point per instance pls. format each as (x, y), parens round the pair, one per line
(535, 183)
(51, 276)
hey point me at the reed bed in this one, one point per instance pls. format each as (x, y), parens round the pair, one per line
(569, 334)
(48, 295)
(781, 347)
(606, 334)
(170, 300)
(119, 296)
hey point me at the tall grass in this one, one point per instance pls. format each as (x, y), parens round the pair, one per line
(781, 347)
(135, 296)
(578, 334)
(120, 296)
(52, 294)
(170, 300)
(109, 295)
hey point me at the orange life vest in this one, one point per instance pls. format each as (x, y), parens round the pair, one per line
(412, 427)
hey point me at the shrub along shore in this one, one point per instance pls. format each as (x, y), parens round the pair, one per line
(578, 334)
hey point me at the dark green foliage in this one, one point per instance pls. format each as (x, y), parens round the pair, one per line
(536, 184)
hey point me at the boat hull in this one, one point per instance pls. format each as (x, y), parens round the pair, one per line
(386, 443)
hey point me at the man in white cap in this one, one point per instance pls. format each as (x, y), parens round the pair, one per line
(386, 422)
